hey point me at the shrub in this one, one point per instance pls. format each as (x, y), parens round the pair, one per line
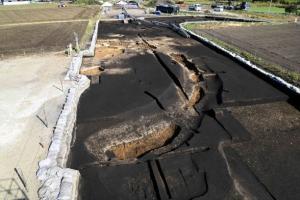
(88, 2)
(291, 9)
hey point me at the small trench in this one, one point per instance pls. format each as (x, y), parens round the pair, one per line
(153, 47)
(161, 173)
(188, 64)
(155, 99)
(170, 73)
(154, 182)
(194, 73)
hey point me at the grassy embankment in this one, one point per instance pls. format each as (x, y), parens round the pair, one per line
(89, 31)
(288, 75)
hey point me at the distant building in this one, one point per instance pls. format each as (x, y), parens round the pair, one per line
(15, 2)
(121, 3)
(106, 6)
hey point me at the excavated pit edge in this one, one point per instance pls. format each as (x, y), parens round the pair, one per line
(241, 188)
(275, 78)
(57, 181)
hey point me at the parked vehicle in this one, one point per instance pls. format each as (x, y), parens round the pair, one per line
(166, 8)
(229, 7)
(62, 5)
(195, 7)
(132, 4)
(219, 8)
(157, 12)
(245, 5)
(242, 6)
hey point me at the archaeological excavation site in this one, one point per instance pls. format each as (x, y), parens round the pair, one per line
(126, 101)
(167, 116)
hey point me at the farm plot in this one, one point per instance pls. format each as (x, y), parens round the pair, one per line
(44, 13)
(274, 47)
(39, 37)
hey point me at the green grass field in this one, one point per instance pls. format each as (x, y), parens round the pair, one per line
(266, 9)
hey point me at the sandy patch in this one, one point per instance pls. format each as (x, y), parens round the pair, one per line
(30, 101)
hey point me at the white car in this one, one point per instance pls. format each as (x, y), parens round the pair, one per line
(219, 9)
(195, 7)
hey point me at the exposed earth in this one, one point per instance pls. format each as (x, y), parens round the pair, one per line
(49, 29)
(39, 38)
(168, 118)
(44, 12)
(32, 95)
(276, 43)
(165, 117)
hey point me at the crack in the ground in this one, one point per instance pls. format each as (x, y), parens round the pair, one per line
(155, 99)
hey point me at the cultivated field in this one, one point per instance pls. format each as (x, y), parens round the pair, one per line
(275, 47)
(39, 37)
(40, 13)
(37, 28)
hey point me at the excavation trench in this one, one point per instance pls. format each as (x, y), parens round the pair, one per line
(163, 110)
(145, 130)
(144, 106)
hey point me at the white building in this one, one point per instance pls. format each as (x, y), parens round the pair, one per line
(15, 2)
(106, 6)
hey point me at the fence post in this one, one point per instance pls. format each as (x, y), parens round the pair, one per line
(76, 41)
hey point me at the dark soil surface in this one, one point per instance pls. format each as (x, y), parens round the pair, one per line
(39, 38)
(278, 44)
(274, 146)
(240, 140)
